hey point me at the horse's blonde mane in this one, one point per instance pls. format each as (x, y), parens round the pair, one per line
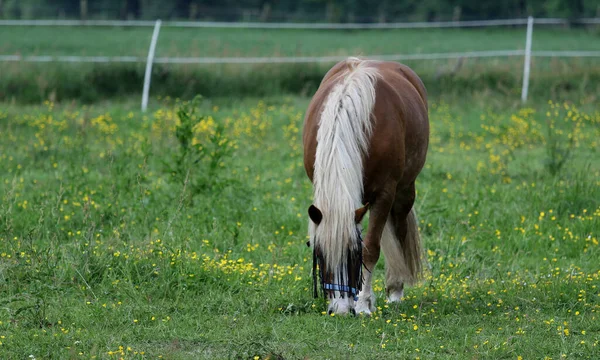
(342, 141)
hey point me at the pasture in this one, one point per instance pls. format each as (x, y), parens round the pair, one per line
(209, 42)
(555, 78)
(181, 233)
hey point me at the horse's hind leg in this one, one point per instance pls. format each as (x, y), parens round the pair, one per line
(401, 244)
(395, 266)
(379, 213)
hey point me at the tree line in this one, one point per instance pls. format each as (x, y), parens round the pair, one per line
(298, 10)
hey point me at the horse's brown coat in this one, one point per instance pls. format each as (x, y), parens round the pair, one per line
(397, 149)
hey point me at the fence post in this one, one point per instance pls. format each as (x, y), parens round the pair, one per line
(149, 62)
(527, 64)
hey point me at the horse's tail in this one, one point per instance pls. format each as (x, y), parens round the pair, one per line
(411, 246)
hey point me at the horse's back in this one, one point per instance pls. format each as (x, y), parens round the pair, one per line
(406, 73)
(402, 101)
(399, 116)
(400, 135)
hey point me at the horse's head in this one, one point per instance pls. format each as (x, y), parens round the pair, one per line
(337, 258)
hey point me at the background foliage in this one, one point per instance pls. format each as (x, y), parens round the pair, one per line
(302, 10)
(551, 78)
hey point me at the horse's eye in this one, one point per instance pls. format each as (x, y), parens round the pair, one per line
(308, 243)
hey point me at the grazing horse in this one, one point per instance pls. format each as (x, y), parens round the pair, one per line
(366, 134)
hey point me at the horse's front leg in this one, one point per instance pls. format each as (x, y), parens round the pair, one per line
(380, 210)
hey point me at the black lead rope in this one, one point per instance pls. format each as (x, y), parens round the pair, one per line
(314, 273)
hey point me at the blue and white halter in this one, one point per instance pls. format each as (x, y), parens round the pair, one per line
(350, 290)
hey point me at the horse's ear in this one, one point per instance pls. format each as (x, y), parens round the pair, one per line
(359, 214)
(315, 214)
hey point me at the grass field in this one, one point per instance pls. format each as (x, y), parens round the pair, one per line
(552, 78)
(94, 41)
(182, 235)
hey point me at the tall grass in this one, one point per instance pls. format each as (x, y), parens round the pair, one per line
(35, 83)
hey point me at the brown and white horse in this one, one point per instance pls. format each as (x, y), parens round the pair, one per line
(366, 134)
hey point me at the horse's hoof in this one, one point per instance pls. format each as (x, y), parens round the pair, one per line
(396, 296)
(365, 311)
(362, 308)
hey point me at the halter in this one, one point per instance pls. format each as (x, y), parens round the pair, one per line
(342, 288)
(335, 287)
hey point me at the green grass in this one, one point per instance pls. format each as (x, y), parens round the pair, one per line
(573, 79)
(114, 242)
(33, 83)
(255, 42)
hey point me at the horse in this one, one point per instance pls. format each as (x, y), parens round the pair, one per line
(365, 141)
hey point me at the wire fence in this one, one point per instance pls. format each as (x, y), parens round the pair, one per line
(292, 59)
(527, 53)
(300, 26)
